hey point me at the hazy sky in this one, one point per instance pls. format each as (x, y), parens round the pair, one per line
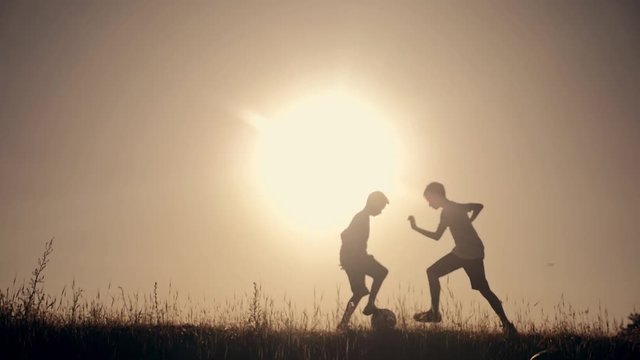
(122, 135)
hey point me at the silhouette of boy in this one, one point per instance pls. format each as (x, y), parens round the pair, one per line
(468, 253)
(357, 263)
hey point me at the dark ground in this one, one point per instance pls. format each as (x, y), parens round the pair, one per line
(34, 341)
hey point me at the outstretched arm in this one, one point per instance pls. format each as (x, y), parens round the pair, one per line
(475, 210)
(430, 234)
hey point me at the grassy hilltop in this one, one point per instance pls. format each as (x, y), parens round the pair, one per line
(34, 325)
(202, 342)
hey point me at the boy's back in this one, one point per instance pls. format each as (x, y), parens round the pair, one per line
(355, 236)
(468, 243)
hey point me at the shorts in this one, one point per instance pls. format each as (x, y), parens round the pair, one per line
(473, 267)
(357, 267)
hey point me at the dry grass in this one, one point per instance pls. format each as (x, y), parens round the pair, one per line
(161, 324)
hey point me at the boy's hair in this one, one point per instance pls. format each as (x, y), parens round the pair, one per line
(377, 197)
(434, 188)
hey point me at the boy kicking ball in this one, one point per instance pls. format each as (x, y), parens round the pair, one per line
(357, 263)
(467, 254)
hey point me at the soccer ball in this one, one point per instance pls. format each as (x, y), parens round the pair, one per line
(383, 319)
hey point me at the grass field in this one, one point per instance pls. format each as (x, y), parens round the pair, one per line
(118, 325)
(202, 342)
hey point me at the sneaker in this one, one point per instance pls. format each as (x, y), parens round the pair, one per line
(428, 316)
(509, 329)
(369, 309)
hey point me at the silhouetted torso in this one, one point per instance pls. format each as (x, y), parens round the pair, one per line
(468, 243)
(355, 236)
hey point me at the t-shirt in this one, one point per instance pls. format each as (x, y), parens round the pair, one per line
(355, 236)
(468, 243)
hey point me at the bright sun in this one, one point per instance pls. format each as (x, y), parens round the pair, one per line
(318, 159)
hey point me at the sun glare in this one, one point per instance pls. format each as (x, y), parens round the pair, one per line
(319, 158)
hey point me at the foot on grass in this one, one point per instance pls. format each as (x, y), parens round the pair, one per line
(428, 316)
(369, 309)
(509, 329)
(343, 326)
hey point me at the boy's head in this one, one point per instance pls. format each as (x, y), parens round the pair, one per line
(435, 195)
(376, 202)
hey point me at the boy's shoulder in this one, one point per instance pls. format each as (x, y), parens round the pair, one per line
(451, 209)
(360, 217)
(359, 225)
(454, 206)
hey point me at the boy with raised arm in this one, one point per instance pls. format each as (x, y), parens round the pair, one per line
(357, 263)
(468, 253)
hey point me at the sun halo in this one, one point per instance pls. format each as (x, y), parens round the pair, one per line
(317, 160)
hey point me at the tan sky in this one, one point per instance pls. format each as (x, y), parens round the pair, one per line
(121, 135)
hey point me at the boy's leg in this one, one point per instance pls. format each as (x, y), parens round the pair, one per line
(359, 290)
(444, 266)
(495, 303)
(348, 311)
(378, 272)
(475, 271)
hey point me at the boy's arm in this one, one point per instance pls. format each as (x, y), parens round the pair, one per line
(475, 210)
(430, 234)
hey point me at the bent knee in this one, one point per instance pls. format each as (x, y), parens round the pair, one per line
(431, 273)
(382, 273)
